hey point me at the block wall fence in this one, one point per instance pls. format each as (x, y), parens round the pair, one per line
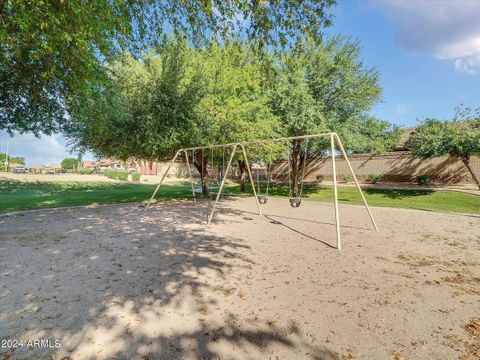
(400, 166)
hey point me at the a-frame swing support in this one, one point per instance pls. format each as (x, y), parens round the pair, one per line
(334, 138)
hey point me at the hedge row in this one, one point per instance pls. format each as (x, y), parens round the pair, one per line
(84, 171)
(121, 174)
(116, 174)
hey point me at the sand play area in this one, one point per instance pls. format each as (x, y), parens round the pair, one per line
(114, 282)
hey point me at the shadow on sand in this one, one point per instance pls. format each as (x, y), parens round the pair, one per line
(131, 284)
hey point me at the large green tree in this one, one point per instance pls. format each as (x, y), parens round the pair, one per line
(69, 164)
(324, 86)
(459, 139)
(235, 106)
(50, 50)
(178, 97)
(146, 108)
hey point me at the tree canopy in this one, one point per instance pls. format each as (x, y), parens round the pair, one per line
(69, 164)
(50, 50)
(11, 159)
(323, 86)
(182, 96)
(458, 138)
(175, 98)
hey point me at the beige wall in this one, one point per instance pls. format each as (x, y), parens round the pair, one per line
(398, 167)
(395, 167)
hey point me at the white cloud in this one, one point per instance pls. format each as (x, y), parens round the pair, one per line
(448, 30)
(45, 150)
(469, 65)
(402, 108)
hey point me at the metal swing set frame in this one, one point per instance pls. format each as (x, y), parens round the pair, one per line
(241, 145)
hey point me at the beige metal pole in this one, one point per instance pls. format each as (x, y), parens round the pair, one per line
(335, 192)
(161, 181)
(356, 181)
(221, 185)
(191, 177)
(251, 179)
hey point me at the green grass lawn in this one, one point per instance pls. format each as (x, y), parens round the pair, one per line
(16, 196)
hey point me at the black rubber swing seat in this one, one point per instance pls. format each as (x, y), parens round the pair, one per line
(262, 199)
(295, 202)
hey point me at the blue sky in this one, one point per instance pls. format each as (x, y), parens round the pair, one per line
(413, 44)
(427, 52)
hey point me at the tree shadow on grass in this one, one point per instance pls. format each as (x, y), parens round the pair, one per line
(118, 282)
(398, 193)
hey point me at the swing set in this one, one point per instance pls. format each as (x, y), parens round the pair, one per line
(295, 194)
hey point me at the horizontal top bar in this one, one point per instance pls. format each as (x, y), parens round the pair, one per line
(260, 141)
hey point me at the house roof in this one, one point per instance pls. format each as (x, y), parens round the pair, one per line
(106, 162)
(88, 163)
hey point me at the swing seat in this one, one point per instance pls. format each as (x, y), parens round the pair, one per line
(262, 199)
(295, 202)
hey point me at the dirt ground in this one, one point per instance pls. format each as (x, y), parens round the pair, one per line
(117, 282)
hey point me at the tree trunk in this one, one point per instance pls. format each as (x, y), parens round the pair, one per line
(242, 167)
(295, 167)
(297, 161)
(200, 164)
(150, 167)
(466, 161)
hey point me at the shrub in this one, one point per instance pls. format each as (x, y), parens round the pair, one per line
(374, 178)
(135, 176)
(111, 173)
(347, 178)
(69, 164)
(116, 174)
(84, 171)
(319, 178)
(122, 174)
(423, 180)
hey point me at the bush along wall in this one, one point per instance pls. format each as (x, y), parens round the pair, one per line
(85, 171)
(116, 174)
(135, 176)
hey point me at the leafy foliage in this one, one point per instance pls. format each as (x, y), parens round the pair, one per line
(146, 108)
(435, 138)
(85, 171)
(423, 180)
(11, 159)
(374, 178)
(50, 50)
(135, 176)
(234, 106)
(116, 174)
(178, 97)
(322, 85)
(458, 138)
(364, 133)
(69, 163)
(347, 178)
